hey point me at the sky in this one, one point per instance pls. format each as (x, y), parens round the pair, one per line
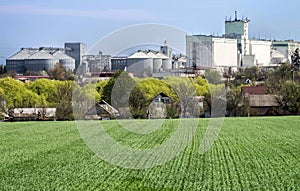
(36, 23)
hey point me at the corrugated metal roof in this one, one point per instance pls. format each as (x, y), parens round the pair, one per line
(23, 54)
(161, 55)
(41, 55)
(139, 55)
(62, 56)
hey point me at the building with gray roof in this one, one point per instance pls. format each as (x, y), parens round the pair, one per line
(39, 59)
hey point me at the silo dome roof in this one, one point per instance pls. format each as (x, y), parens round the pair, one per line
(161, 55)
(139, 55)
(152, 55)
(62, 56)
(41, 55)
(23, 54)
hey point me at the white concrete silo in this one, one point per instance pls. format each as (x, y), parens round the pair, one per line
(157, 61)
(166, 61)
(140, 64)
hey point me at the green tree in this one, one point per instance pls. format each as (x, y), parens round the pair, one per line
(2, 106)
(215, 98)
(279, 75)
(236, 105)
(90, 91)
(62, 97)
(184, 88)
(100, 87)
(287, 95)
(44, 88)
(138, 103)
(107, 89)
(60, 73)
(213, 77)
(17, 95)
(201, 86)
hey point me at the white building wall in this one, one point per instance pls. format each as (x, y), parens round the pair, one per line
(199, 50)
(225, 52)
(262, 52)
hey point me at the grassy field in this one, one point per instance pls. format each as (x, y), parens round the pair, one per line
(249, 154)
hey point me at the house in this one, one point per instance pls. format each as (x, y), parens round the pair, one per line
(102, 111)
(32, 114)
(260, 102)
(158, 107)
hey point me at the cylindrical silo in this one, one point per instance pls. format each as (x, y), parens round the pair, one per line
(17, 61)
(66, 61)
(40, 61)
(140, 64)
(157, 61)
(166, 61)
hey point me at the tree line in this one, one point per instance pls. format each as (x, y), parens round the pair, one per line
(58, 93)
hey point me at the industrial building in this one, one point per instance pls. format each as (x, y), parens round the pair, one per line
(235, 49)
(95, 64)
(72, 57)
(76, 50)
(39, 59)
(148, 62)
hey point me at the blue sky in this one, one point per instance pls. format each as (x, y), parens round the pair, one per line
(35, 23)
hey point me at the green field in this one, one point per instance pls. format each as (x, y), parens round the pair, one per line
(249, 154)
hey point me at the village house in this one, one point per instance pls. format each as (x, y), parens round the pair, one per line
(102, 111)
(260, 102)
(158, 107)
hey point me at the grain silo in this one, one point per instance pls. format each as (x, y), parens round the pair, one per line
(157, 61)
(166, 61)
(140, 64)
(41, 60)
(17, 61)
(66, 61)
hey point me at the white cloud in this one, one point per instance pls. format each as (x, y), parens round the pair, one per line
(109, 14)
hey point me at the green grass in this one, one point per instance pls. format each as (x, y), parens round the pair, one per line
(249, 154)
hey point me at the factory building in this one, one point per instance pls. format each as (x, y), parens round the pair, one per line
(140, 64)
(145, 62)
(39, 59)
(235, 49)
(284, 49)
(17, 61)
(118, 63)
(71, 57)
(76, 50)
(211, 51)
(95, 63)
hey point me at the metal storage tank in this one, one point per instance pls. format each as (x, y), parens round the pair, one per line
(157, 61)
(66, 61)
(140, 64)
(17, 61)
(166, 61)
(40, 61)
